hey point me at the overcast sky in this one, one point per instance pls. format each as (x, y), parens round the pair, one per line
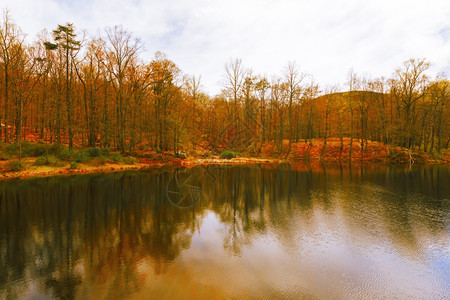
(324, 37)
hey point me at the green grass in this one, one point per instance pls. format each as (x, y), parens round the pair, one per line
(80, 156)
(65, 154)
(129, 160)
(51, 160)
(15, 166)
(59, 155)
(106, 151)
(28, 149)
(228, 154)
(115, 158)
(436, 155)
(31, 149)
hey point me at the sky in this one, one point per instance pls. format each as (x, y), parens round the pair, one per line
(325, 38)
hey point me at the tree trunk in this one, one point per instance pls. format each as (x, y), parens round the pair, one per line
(350, 150)
(105, 135)
(6, 91)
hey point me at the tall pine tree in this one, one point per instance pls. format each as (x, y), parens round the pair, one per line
(64, 37)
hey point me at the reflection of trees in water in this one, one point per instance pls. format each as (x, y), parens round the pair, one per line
(49, 226)
(61, 232)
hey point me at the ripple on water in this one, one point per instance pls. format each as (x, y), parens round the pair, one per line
(255, 234)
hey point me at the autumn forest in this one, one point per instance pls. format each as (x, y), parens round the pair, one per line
(68, 88)
(225, 165)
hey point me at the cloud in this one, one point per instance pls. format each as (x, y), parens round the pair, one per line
(325, 38)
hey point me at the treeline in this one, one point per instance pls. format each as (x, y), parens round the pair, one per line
(84, 91)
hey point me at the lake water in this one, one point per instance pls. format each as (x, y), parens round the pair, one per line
(253, 232)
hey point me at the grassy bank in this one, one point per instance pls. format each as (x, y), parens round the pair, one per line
(47, 160)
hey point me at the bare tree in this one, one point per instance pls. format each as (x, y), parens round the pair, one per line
(329, 98)
(122, 49)
(262, 86)
(293, 79)
(22, 86)
(233, 85)
(91, 73)
(278, 105)
(64, 37)
(193, 90)
(11, 39)
(364, 101)
(439, 92)
(379, 87)
(352, 81)
(310, 94)
(408, 87)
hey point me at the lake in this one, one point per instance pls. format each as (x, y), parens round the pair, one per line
(228, 232)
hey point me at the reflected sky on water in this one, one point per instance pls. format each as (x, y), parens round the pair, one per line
(284, 232)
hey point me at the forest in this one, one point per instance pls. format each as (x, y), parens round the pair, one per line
(79, 91)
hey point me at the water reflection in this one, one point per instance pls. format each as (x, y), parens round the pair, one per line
(280, 232)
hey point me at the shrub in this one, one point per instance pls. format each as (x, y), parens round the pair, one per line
(34, 150)
(101, 160)
(50, 160)
(12, 149)
(65, 154)
(81, 156)
(129, 160)
(116, 158)
(228, 154)
(53, 148)
(15, 166)
(28, 149)
(74, 165)
(41, 161)
(94, 152)
(106, 151)
(436, 155)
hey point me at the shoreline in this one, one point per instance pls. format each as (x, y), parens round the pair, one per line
(315, 154)
(48, 171)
